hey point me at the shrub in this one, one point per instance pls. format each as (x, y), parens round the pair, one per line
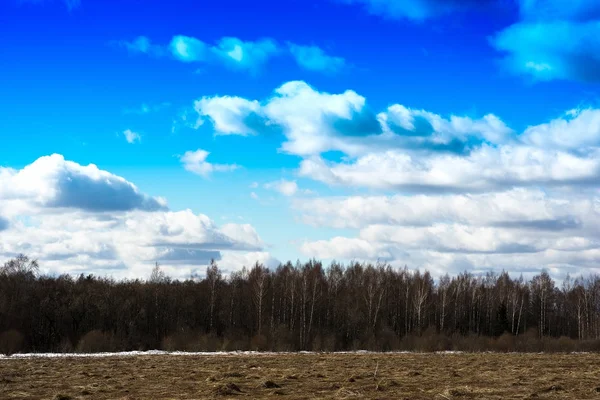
(11, 342)
(505, 343)
(97, 342)
(259, 343)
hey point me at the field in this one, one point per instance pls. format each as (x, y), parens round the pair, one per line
(304, 376)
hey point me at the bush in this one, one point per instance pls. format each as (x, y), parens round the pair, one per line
(65, 346)
(283, 339)
(504, 344)
(529, 342)
(97, 342)
(11, 342)
(388, 340)
(259, 343)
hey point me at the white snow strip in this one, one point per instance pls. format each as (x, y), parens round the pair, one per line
(207, 353)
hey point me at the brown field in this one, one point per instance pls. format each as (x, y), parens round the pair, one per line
(305, 376)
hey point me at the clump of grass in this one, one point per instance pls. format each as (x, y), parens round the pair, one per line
(458, 392)
(555, 388)
(63, 397)
(270, 385)
(227, 389)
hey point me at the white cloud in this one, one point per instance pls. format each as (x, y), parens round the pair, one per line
(578, 130)
(131, 136)
(53, 182)
(142, 45)
(316, 122)
(527, 209)
(235, 53)
(341, 248)
(475, 193)
(487, 168)
(246, 55)
(313, 122)
(188, 49)
(195, 161)
(438, 130)
(234, 261)
(228, 51)
(230, 115)
(78, 219)
(520, 230)
(313, 58)
(286, 188)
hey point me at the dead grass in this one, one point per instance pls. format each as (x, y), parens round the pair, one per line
(306, 376)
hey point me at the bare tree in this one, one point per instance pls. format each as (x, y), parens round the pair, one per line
(213, 278)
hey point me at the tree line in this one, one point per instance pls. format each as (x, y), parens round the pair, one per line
(301, 306)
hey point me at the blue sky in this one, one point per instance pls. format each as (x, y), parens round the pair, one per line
(312, 128)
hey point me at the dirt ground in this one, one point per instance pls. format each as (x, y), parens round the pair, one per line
(305, 376)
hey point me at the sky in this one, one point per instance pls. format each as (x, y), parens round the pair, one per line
(435, 134)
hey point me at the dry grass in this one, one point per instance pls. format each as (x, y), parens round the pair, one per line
(306, 376)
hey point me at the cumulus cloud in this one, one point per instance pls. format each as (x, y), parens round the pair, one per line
(552, 50)
(424, 129)
(188, 49)
(127, 244)
(195, 161)
(131, 136)
(312, 121)
(578, 130)
(80, 219)
(517, 208)
(487, 168)
(475, 194)
(409, 149)
(286, 188)
(554, 39)
(230, 115)
(345, 249)
(448, 233)
(313, 58)
(53, 182)
(315, 122)
(233, 261)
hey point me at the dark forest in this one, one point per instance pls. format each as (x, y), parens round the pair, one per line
(305, 306)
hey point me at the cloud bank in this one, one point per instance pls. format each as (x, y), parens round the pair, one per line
(452, 192)
(81, 219)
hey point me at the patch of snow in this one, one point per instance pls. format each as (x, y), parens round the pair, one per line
(203, 353)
